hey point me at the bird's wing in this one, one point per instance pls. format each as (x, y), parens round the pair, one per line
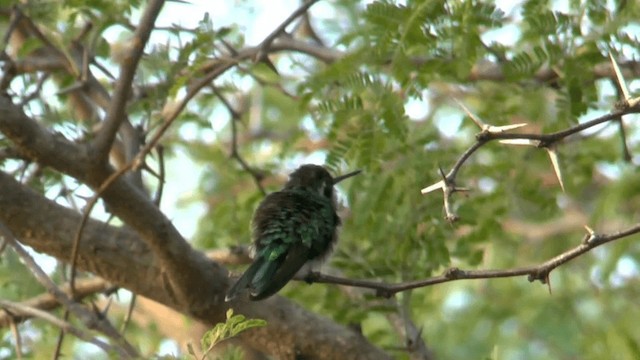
(274, 275)
(290, 228)
(292, 217)
(243, 282)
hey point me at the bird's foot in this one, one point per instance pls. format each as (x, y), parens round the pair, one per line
(312, 276)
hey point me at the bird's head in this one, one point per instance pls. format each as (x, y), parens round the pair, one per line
(315, 178)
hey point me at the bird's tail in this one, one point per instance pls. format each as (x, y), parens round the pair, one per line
(276, 274)
(245, 280)
(265, 277)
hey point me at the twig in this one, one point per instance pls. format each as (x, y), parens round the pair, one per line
(266, 43)
(547, 141)
(88, 318)
(415, 345)
(58, 351)
(265, 46)
(36, 91)
(21, 309)
(128, 67)
(47, 301)
(171, 113)
(17, 337)
(127, 319)
(275, 84)
(235, 154)
(161, 176)
(75, 250)
(16, 14)
(451, 175)
(626, 154)
(539, 272)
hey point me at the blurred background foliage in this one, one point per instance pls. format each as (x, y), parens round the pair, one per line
(386, 105)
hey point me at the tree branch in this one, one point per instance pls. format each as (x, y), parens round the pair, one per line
(257, 175)
(124, 199)
(489, 133)
(539, 272)
(299, 332)
(125, 260)
(128, 67)
(23, 310)
(90, 320)
(46, 301)
(266, 43)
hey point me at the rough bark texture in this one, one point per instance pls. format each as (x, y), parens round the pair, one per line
(148, 256)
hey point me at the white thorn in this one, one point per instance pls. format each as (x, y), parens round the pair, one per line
(473, 117)
(430, 188)
(589, 230)
(633, 102)
(504, 128)
(523, 142)
(553, 155)
(621, 82)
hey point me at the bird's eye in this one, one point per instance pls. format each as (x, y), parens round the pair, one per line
(328, 189)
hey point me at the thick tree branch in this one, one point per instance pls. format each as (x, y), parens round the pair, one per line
(312, 335)
(125, 200)
(92, 286)
(83, 95)
(121, 257)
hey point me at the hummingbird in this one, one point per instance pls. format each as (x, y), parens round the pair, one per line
(291, 227)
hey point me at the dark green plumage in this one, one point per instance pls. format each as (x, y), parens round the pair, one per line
(290, 228)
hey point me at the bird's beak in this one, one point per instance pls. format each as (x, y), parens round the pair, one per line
(337, 179)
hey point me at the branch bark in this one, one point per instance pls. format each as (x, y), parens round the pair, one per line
(149, 257)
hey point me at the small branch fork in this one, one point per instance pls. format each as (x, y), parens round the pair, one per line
(538, 272)
(257, 175)
(549, 142)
